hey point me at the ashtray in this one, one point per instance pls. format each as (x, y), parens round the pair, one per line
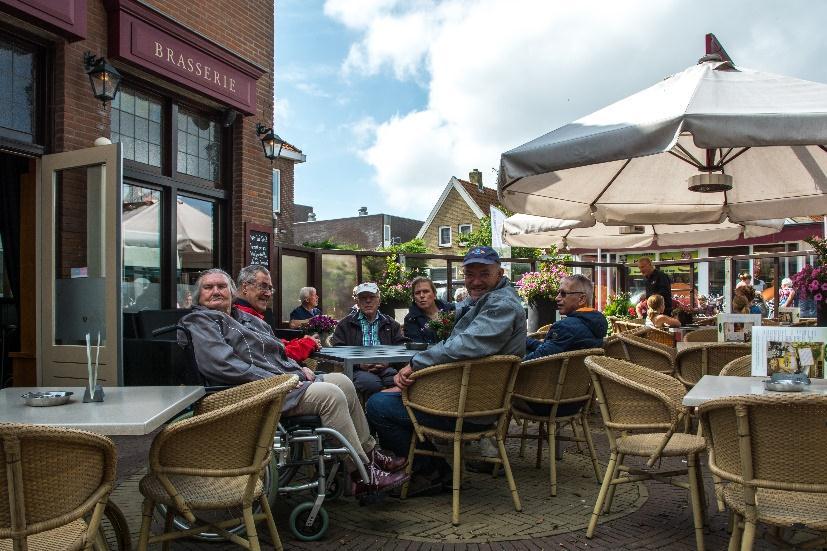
(784, 385)
(416, 345)
(45, 399)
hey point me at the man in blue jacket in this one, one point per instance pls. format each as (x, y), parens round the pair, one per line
(582, 327)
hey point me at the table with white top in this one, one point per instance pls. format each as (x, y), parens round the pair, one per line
(717, 386)
(354, 355)
(125, 410)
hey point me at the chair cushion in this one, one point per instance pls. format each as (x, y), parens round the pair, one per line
(63, 538)
(200, 492)
(781, 507)
(646, 444)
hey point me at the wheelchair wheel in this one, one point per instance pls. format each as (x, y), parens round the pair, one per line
(218, 515)
(298, 523)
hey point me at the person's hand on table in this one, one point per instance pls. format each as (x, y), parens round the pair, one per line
(403, 378)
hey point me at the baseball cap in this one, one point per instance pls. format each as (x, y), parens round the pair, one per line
(481, 255)
(368, 287)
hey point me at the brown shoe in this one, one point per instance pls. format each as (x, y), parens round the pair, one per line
(387, 461)
(379, 481)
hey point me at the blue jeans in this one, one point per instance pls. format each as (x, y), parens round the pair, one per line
(388, 417)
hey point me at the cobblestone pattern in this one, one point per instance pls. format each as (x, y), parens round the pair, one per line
(662, 522)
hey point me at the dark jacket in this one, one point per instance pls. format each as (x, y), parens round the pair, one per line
(584, 328)
(416, 323)
(658, 283)
(301, 313)
(348, 331)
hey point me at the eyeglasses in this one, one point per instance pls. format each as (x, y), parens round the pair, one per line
(564, 294)
(263, 287)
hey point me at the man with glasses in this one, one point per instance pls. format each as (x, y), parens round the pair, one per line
(253, 294)
(582, 327)
(369, 327)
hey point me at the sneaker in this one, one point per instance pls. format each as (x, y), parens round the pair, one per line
(378, 481)
(386, 460)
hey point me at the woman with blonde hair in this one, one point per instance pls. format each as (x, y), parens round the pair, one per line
(655, 316)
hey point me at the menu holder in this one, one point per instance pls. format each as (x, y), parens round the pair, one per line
(796, 351)
(737, 327)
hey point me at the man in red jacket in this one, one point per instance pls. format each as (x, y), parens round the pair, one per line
(253, 294)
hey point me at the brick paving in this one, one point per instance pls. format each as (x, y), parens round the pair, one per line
(646, 516)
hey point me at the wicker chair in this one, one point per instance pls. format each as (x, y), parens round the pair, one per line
(702, 335)
(214, 460)
(708, 359)
(739, 367)
(644, 407)
(771, 450)
(54, 479)
(553, 381)
(659, 336)
(465, 390)
(642, 352)
(624, 325)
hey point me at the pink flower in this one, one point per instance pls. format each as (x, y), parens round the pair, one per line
(817, 297)
(814, 286)
(824, 286)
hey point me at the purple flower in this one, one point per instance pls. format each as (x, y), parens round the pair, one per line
(817, 297)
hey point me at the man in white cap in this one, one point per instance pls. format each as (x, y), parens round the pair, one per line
(369, 327)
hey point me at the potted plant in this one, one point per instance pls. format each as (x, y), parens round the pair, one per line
(539, 290)
(811, 282)
(323, 325)
(443, 324)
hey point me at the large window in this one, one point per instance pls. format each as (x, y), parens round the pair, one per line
(196, 250)
(199, 146)
(136, 123)
(141, 230)
(18, 70)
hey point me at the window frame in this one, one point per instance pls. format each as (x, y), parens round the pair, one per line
(165, 133)
(440, 242)
(460, 226)
(276, 190)
(41, 140)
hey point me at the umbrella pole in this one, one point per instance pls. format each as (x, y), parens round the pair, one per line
(599, 279)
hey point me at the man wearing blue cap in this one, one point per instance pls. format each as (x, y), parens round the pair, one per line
(490, 321)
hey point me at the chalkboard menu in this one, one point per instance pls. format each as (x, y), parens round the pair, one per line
(259, 248)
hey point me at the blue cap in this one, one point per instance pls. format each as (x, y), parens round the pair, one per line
(481, 255)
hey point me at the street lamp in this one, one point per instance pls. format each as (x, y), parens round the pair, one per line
(104, 78)
(270, 141)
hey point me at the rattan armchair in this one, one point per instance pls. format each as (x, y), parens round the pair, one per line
(739, 367)
(214, 460)
(771, 450)
(642, 410)
(473, 391)
(659, 336)
(707, 359)
(555, 381)
(702, 335)
(625, 325)
(642, 352)
(54, 479)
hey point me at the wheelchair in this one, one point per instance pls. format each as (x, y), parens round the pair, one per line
(307, 458)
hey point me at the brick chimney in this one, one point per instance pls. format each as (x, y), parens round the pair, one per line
(475, 177)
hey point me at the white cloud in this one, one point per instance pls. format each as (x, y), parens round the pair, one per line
(501, 72)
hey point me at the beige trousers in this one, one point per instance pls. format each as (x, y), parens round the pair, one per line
(336, 402)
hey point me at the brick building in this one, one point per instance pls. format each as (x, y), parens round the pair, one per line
(186, 185)
(368, 231)
(458, 211)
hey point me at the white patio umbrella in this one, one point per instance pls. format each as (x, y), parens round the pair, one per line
(141, 236)
(525, 230)
(709, 127)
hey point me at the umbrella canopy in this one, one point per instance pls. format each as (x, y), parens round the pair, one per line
(141, 228)
(525, 230)
(630, 163)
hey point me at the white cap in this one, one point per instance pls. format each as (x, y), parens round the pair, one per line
(369, 287)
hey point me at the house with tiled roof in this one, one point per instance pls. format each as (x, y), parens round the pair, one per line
(458, 211)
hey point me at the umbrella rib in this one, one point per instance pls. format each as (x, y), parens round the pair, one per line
(688, 158)
(726, 161)
(599, 195)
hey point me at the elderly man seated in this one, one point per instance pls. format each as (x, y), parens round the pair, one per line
(582, 327)
(308, 308)
(235, 346)
(369, 327)
(490, 321)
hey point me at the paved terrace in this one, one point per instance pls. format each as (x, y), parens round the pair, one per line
(645, 516)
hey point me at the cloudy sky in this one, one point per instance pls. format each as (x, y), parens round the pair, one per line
(390, 98)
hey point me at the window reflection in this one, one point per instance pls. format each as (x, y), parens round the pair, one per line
(17, 88)
(199, 146)
(141, 286)
(136, 123)
(196, 251)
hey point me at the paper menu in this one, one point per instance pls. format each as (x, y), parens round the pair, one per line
(789, 350)
(737, 327)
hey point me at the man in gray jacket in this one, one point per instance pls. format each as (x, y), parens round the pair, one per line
(491, 321)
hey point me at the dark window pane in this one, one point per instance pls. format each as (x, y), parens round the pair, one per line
(130, 120)
(141, 129)
(17, 85)
(141, 151)
(155, 133)
(198, 140)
